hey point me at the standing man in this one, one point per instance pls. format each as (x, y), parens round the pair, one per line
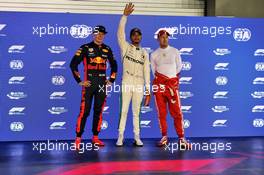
(136, 73)
(94, 56)
(166, 65)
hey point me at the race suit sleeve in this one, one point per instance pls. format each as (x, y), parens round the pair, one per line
(121, 36)
(76, 60)
(178, 62)
(113, 66)
(147, 70)
(153, 64)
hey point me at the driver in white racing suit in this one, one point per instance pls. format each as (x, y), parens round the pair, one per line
(136, 73)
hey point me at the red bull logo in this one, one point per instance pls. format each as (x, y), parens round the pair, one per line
(97, 60)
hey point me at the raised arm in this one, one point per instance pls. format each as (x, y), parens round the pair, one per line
(121, 36)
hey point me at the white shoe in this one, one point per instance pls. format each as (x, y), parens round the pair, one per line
(120, 140)
(137, 141)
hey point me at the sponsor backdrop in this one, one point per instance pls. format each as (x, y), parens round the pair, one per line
(221, 84)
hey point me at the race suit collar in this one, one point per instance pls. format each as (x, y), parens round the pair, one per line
(165, 49)
(96, 45)
(137, 48)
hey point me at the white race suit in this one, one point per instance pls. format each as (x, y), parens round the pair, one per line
(136, 73)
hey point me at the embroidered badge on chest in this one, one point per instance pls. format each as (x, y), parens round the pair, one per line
(91, 49)
(105, 50)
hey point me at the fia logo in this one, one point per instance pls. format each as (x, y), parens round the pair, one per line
(186, 66)
(258, 122)
(80, 31)
(16, 126)
(221, 80)
(16, 64)
(242, 34)
(259, 66)
(58, 80)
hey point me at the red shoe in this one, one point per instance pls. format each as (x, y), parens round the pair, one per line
(78, 141)
(164, 141)
(97, 141)
(184, 145)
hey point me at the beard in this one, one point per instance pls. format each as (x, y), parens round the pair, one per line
(136, 42)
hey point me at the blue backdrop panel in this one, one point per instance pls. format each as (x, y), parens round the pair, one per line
(221, 83)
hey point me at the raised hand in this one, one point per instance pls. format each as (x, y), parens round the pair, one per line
(128, 9)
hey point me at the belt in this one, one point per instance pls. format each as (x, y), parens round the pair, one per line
(96, 75)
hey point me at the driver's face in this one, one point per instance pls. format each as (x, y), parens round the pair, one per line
(163, 40)
(99, 37)
(136, 38)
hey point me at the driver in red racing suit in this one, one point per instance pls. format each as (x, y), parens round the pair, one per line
(166, 65)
